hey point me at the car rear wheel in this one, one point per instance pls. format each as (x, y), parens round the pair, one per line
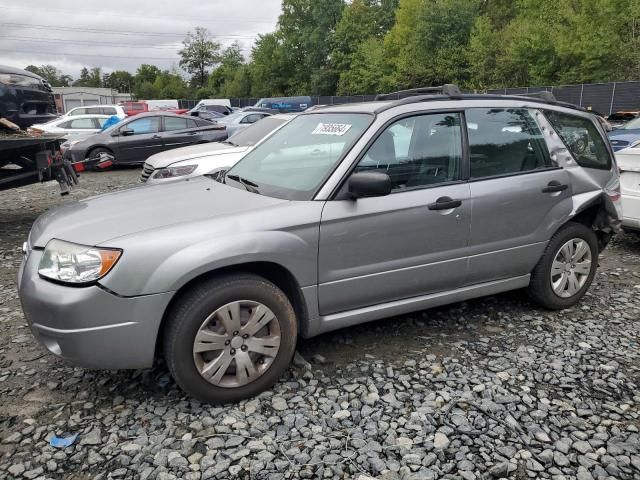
(230, 338)
(566, 270)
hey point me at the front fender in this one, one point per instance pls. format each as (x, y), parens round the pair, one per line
(166, 259)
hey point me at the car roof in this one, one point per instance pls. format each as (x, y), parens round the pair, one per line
(18, 71)
(157, 113)
(86, 115)
(96, 105)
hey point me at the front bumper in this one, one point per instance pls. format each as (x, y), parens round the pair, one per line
(89, 326)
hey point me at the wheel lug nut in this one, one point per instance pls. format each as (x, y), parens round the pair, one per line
(227, 342)
(233, 351)
(244, 348)
(235, 334)
(245, 336)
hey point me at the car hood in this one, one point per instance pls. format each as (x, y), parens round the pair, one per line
(164, 159)
(98, 220)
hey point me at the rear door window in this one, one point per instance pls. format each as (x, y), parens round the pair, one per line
(81, 123)
(582, 138)
(94, 110)
(109, 111)
(504, 141)
(175, 123)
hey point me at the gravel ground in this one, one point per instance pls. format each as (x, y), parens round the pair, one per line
(492, 388)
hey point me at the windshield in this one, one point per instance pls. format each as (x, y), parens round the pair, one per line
(256, 132)
(294, 161)
(635, 123)
(232, 117)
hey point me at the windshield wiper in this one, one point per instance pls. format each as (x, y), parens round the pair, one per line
(229, 142)
(247, 184)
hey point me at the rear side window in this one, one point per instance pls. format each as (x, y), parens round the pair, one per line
(94, 111)
(582, 138)
(77, 111)
(109, 111)
(81, 123)
(504, 141)
(175, 123)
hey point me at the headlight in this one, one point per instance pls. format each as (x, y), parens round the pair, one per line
(78, 264)
(171, 172)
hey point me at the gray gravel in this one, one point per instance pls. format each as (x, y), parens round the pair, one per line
(492, 388)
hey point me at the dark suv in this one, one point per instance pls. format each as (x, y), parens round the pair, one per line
(25, 98)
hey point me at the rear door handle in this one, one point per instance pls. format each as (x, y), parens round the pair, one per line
(554, 186)
(155, 137)
(444, 203)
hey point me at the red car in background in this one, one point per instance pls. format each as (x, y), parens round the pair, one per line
(133, 108)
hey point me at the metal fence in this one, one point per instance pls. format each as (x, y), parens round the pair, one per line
(604, 98)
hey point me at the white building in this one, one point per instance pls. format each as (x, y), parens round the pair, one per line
(71, 97)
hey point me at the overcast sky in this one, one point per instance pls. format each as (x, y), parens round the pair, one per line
(122, 34)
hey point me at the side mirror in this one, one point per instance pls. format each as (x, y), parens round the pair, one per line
(127, 132)
(369, 184)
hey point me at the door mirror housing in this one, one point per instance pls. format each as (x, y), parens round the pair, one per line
(369, 184)
(127, 132)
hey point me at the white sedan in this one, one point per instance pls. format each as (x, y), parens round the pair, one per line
(628, 160)
(208, 157)
(71, 126)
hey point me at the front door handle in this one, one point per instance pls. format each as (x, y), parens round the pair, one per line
(444, 203)
(554, 186)
(155, 137)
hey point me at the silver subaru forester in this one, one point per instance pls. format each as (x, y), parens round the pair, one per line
(345, 215)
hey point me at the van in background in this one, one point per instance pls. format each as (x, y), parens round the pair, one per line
(285, 104)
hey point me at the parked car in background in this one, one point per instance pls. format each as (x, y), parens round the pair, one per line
(628, 160)
(285, 104)
(618, 119)
(624, 136)
(201, 159)
(71, 126)
(240, 120)
(135, 139)
(220, 105)
(210, 115)
(325, 224)
(25, 98)
(109, 110)
(134, 108)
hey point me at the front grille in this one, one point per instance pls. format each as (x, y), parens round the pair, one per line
(147, 170)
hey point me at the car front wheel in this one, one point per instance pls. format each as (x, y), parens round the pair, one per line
(230, 338)
(566, 270)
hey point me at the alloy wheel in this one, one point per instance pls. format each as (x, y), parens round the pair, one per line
(570, 268)
(236, 344)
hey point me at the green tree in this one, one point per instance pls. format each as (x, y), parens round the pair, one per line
(120, 80)
(369, 70)
(199, 54)
(231, 61)
(269, 69)
(89, 78)
(51, 74)
(306, 29)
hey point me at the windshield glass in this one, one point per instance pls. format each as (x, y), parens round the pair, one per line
(635, 123)
(293, 162)
(256, 132)
(231, 117)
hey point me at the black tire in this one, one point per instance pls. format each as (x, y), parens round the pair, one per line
(540, 288)
(96, 153)
(189, 312)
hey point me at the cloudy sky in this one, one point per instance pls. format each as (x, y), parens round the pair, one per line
(122, 34)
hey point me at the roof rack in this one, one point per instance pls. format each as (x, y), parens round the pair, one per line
(448, 89)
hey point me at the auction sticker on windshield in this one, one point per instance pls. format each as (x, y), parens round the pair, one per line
(331, 129)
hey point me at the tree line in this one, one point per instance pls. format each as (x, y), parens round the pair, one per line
(329, 47)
